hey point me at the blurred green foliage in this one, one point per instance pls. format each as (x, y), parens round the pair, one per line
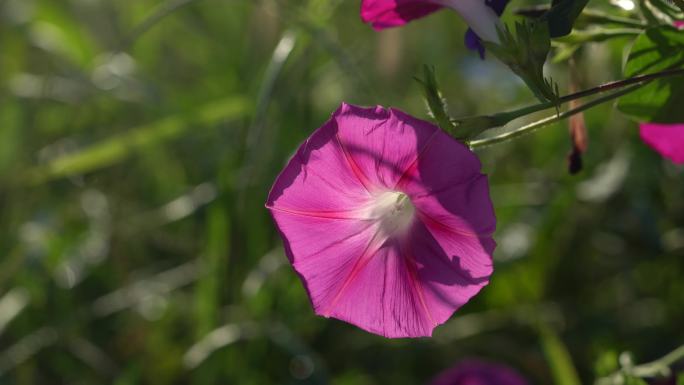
(139, 139)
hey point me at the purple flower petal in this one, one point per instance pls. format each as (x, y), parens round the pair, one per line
(497, 5)
(383, 14)
(477, 372)
(473, 43)
(667, 139)
(482, 15)
(387, 220)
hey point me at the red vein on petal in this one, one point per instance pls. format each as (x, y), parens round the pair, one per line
(414, 162)
(335, 243)
(321, 214)
(412, 270)
(352, 164)
(361, 262)
(472, 179)
(440, 226)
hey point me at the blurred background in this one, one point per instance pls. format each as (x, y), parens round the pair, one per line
(139, 139)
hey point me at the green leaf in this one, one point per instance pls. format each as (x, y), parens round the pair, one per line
(562, 16)
(656, 49)
(666, 9)
(464, 128)
(214, 263)
(564, 52)
(656, 102)
(606, 363)
(558, 357)
(680, 4)
(599, 34)
(118, 147)
(58, 32)
(652, 14)
(434, 100)
(525, 53)
(10, 136)
(629, 380)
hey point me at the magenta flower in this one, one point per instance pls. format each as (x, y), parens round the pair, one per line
(679, 24)
(667, 139)
(387, 220)
(476, 372)
(481, 15)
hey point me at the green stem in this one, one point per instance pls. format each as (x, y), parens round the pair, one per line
(504, 117)
(659, 367)
(588, 15)
(155, 17)
(655, 367)
(597, 35)
(550, 119)
(602, 17)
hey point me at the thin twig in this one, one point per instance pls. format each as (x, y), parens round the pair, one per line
(659, 367)
(550, 119)
(157, 15)
(591, 15)
(505, 117)
(623, 83)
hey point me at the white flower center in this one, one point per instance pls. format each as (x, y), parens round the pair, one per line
(394, 211)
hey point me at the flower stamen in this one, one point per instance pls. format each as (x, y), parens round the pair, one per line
(395, 211)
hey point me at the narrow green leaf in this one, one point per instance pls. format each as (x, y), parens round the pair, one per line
(434, 100)
(60, 33)
(118, 147)
(629, 380)
(558, 357)
(680, 4)
(525, 53)
(667, 10)
(214, 263)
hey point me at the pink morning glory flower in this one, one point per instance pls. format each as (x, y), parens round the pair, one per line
(667, 139)
(679, 24)
(387, 220)
(481, 15)
(477, 372)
